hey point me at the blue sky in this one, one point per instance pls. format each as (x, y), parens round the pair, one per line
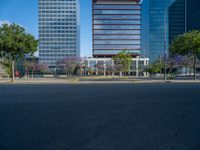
(25, 13)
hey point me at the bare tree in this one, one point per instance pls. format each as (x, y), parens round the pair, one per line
(71, 65)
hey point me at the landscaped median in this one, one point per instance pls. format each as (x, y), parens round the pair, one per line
(91, 80)
(107, 78)
(73, 80)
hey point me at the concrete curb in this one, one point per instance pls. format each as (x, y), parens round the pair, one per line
(59, 81)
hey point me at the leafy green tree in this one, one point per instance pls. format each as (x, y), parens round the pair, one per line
(187, 44)
(155, 68)
(123, 59)
(15, 43)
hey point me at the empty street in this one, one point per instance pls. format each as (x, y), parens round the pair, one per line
(100, 116)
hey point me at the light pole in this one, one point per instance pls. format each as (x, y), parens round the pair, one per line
(104, 68)
(165, 44)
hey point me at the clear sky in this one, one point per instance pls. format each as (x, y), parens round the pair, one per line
(25, 13)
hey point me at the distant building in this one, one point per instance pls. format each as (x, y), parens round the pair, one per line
(184, 16)
(157, 10)
(137, 66)
(193, 15)
(177, 19)
(59, 30)
(116, 27)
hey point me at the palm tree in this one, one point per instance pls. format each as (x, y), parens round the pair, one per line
(123, 61)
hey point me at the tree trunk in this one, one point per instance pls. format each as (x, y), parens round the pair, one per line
(194, 67)
(113, 74)
(186, 71)
(171, 74)
(129, 70)
(120, 74)
(13, 71)
(66, 74)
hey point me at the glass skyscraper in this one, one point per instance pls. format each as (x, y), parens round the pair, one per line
(193, 15)
(59, 30)
(157, 9)
(177, 19)
(184, 16)
(116, 27)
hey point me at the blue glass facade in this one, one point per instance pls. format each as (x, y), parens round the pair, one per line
(193, 15)
(177, 19)
(157, 10)
(184, 16)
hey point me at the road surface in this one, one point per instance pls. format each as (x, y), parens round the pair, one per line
(100, 116)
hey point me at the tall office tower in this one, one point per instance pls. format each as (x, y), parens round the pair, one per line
(157, 9)
(184, 16)
(116, 27)
(177, 19)
(59, 30)
(193, 15)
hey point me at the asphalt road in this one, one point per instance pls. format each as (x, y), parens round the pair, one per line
(100, 117)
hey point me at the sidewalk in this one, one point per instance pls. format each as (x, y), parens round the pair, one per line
(34, 81)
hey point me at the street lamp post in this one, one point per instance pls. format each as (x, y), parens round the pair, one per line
(165, 44)
(104, 68)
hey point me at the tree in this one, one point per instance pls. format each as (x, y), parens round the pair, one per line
(42, 68)
(172, 63)
(70, 65)
(34, 66)
(15, 43)
(155, 68)
(6, 63)
(187, 44)
(123, 59)
(29, 67)
(186, 61)
(110, 68)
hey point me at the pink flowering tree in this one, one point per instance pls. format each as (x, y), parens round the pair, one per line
(71, 65)
(32, 67)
